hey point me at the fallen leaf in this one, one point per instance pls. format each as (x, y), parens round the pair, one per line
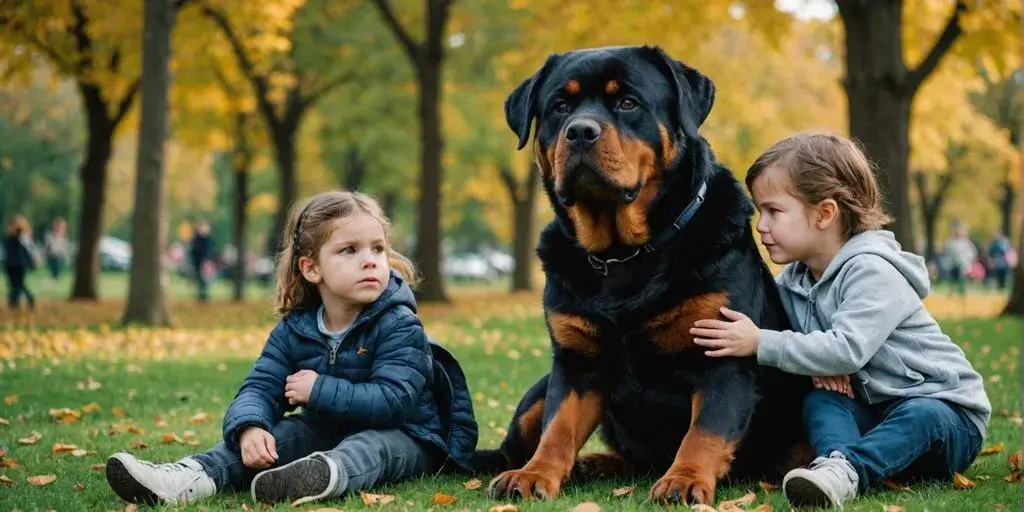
(894, 486)
(376, 499)
(139, 445)
(98, 467)
(65, 415)
(737, 504)
(992, 450)
(41, 480)
(64, 448)
(1013, 477)
(622, 491)
(1014, 461)
(763, 508)
(159, 421)
(766, 487)
(117, 411)
(81, 453)
(895, 508)
(171, 437)
(4, 421)
(10, 463)
(504, 508)
(33, 438)
(131, 508)
(11, 399)
(79, 487)
(983, 478)
(587, 506)
(472, 485)
(961, 482)
(4, 479)
(90, 408)
(700, 507)
(442, 499)
(199, 418)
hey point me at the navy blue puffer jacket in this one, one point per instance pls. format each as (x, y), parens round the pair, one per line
(384, 374)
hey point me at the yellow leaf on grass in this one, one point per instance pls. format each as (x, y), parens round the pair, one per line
(117, 411)
(700, 507)
(1013, 477)
(1014, 461)
(5, 421)
(82, 453)
(65, 415)
(171, 437)
(4, 479)
(131, 508)
(622, 491)
(63, 448)
(41, 480)
(79, 487)
(587, 506)
(11, 399)
(504, 508)
(33, 438)
(442, 499)
(98, 467)
(994, 449)
(763, 508)
(961, 482)
(895, 508)
(894, 486)
(199, 418)
(139, 445)
(738, 503)
(766, 487)
(376, 499)
(10, 463)
(90, 408)
(472, 485)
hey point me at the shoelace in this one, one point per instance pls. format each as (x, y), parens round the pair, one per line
(173, 469)
(836, 467)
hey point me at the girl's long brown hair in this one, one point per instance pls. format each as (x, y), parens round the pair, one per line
(308, 229)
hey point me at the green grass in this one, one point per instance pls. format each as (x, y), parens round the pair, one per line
(502, 356)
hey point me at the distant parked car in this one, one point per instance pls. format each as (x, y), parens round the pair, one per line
(469, 267)
(115, 254)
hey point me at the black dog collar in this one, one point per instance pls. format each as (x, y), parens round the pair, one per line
(601, 266)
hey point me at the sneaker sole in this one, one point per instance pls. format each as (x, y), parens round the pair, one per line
(802, 492)
(303, 478)
(126, 486)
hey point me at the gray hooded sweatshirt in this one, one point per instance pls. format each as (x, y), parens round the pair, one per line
(865, 318)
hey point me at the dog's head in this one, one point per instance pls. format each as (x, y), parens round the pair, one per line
(610, 122)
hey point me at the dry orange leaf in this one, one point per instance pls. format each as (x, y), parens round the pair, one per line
(737, 504)
(117, 411)
(5, 421)
(139, 445)
(82, 453)
(33, 438)
(10, 463)
(4, 479)
(199, 418)
(1013, 477)
(90, 408)
(472, 485)
(171, 437)
(622, 491)
(895, 508)
(504, 508)
(64, 448)
(587, 506)
(763, 508)
(994, 449)
(766, 487)
(442, 499)
(961, 482)
(376, 499)
(11, 399)
(98, 467)
(1015, 461)
(79, 487)
(131, 508)
(41, 480)
(894, 486)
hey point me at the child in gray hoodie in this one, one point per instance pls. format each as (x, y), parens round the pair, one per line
(895, 396)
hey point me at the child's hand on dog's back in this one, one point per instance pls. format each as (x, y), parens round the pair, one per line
(259, 449)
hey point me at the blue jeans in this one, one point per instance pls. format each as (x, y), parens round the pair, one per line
(366, 458)
(906, 439)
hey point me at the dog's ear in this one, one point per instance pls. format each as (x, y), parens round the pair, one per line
(521, 105)
(695, 93)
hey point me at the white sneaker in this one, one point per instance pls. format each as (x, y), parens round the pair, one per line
(308, 479)
(828, 483)
(176, 483)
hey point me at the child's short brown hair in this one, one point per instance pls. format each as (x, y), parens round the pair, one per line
(308, 229)
(824, 166)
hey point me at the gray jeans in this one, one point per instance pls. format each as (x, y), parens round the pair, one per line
(366, 459)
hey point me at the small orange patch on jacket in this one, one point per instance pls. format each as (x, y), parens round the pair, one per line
(575, 333)
(573, 87)
(611, 87)
(670, 330)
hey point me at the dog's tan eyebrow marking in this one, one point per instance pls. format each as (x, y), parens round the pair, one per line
(573, 87)
(611, 87)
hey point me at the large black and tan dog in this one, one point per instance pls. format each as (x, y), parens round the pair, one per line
(650, 234)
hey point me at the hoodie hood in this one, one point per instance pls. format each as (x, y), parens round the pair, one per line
(397, 294)
(797, 276)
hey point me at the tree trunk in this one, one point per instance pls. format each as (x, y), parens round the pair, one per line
(355, 169)
(1006, 204)
(428, 232)
(524, 198)
(284, 152)
(1015, 306)
(146, 299)
(389, 203)
(238, 230)
(93, 173)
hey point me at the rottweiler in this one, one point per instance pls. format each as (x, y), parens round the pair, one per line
(649, 235)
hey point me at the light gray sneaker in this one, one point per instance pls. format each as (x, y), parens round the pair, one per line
(829, 482)
(311, 478)
(176, 483)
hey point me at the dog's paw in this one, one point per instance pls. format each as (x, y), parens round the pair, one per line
(681, 486)
(527, 483)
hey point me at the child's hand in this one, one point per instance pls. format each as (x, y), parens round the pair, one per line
(837, 383)
(299, 386)
(259, 450)
(736, 338)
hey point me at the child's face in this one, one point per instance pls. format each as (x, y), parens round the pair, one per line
(352, 266)
(787, 231)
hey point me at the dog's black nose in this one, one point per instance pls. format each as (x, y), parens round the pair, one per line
(582, 133)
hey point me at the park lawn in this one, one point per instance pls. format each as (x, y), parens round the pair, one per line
(149, 385)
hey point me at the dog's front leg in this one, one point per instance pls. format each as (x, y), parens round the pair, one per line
(573, 408)
(721, 409)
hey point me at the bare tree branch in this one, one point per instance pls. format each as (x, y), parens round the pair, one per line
(126, 102)
(510, 182)
(411, 47)
(914, 78)
(318, 93)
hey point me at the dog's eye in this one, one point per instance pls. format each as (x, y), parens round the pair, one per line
(562, 107)
(627, 104)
